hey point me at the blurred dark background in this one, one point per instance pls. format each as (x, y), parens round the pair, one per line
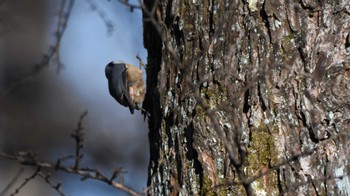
(41, 113)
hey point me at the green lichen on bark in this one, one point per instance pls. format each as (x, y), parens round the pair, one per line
(214, 96)
(262, 154)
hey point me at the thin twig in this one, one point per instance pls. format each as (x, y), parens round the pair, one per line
(140, 61)
(27, 180)
(79, 139)
(47, 180)
(108, 23)
(129, 5)
(13, 181)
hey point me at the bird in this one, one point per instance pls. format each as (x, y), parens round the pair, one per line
(125, 84)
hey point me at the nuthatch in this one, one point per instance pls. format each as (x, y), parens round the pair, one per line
(125, 84)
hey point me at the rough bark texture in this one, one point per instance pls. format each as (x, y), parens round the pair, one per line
(259, 103)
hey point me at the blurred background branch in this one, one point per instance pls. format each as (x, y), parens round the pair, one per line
(31, 159)
(53, 53)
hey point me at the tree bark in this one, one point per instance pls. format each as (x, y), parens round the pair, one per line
(248, 97)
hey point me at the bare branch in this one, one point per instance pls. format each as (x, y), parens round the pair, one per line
(31, 159)
(85, 173)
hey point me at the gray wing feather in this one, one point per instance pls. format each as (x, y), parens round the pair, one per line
(118, 84)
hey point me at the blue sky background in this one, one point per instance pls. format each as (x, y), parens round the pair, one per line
(113, 137)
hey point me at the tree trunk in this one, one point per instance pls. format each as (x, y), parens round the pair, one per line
(248, 97)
